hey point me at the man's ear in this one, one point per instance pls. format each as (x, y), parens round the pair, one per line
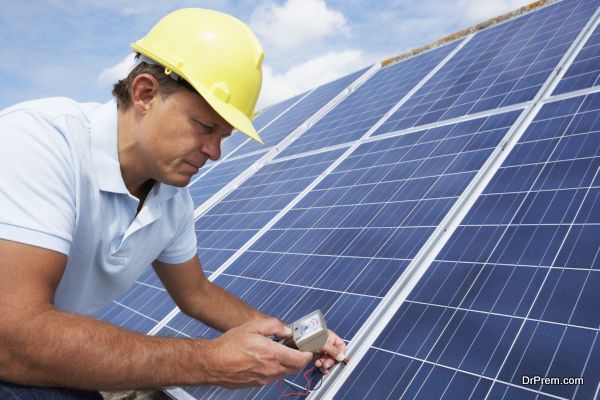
(144, 89)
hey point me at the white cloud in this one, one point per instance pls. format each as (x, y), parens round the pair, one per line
(296, 23)
(310, 74)
(478, 11)
(110, 75)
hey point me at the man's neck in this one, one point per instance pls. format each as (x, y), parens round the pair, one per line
(137, 183)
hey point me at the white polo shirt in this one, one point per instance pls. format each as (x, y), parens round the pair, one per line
(61, 188)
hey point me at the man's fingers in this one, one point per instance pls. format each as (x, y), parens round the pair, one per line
(335, 347)
(270, 327)
(294, 360)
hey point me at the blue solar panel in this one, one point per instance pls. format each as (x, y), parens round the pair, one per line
(516, 290)
(358, 112)
(219, 176)
(281, 128)
(584, 72)
(503, 65)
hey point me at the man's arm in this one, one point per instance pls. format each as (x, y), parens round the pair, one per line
(42, 346)
(199, 298)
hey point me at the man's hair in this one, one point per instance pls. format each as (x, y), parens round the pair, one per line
(167, 85)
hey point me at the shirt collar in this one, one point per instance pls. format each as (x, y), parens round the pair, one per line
(105, 154)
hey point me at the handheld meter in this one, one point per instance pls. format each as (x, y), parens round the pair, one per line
(309, 333)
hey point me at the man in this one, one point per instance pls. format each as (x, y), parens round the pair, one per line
(91, 194)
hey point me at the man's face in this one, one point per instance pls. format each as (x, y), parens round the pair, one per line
(178, 135)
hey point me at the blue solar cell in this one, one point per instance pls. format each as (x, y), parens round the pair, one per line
(584, 72)
(515, 290)
(358, 112)
(503, 65)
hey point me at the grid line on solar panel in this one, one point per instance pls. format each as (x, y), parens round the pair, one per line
(530, 302)
(505, 64)
(309, 108)
(584, 72)
(364, 107)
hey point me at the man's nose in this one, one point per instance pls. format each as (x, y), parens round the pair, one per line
(212, 147)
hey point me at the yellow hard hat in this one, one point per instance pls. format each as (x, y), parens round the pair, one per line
(217, 54)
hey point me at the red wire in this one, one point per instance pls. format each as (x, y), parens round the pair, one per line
(303, 394)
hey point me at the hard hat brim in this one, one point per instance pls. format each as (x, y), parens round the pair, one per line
(232, 115)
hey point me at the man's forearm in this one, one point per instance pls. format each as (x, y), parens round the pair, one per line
(221, 310)
(54, 348)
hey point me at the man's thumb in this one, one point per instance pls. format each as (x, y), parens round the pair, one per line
(272, 327)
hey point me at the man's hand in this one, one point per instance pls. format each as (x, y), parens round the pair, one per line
(333, 352)
(245, 356)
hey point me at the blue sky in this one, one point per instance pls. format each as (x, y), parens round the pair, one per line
(79, 48)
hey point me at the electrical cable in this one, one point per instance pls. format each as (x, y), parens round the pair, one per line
(305, 391)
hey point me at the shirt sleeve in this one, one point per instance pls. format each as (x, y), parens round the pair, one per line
(37, 189)
(184, 245)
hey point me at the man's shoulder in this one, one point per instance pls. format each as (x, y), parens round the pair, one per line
(52, 108)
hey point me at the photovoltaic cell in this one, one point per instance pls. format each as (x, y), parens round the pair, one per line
(584, 72)
(351, 119)
(312, 103)
(516, 290)
(502, 65)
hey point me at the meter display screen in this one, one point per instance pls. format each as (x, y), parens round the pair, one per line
(308, 325)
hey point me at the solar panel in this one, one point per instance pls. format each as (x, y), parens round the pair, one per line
(366, 105)
(585, 70)
(515, 291)
(503, 65)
